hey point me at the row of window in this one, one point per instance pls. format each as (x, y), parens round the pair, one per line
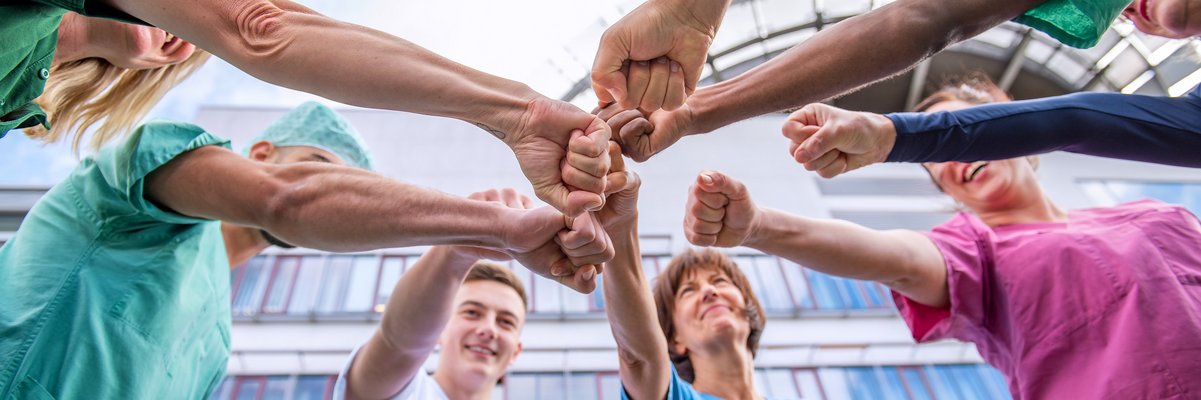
(875, 383)
(327, 285)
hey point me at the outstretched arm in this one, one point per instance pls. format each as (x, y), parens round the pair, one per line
(287, 44)
(849, 55)
(720, 213)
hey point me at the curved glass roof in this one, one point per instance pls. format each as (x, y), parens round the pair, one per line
(1026, 62)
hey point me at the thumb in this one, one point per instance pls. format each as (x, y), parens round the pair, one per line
(821, 142)
(608, 81)
(717, 182)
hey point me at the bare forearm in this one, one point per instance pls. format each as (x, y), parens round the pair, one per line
(286, 44)
(416, 313)
(343, 209)
(904, 260)
(632, 317)
(848, 55)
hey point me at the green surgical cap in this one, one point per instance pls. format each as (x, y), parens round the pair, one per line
(312, 124)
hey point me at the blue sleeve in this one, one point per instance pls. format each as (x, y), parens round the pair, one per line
(1159, 130)
(677, 389)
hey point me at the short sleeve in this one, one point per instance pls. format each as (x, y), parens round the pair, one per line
(1076, 23)
(91, 8)
(677, 389)
(965, 248)
(118, 193)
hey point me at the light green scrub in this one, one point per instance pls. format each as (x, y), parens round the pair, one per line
(29, 33)
(103, 295)
(1076, 23)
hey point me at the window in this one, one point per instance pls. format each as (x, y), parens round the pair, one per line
(308, 282)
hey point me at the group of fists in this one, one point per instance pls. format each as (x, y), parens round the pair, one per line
(646, 68)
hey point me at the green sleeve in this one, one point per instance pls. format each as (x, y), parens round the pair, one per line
(93, 8)
(123, 169)
(1076, 23)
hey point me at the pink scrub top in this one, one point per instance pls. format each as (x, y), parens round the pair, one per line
(1104, 306)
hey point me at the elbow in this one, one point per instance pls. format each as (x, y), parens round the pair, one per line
(260, 31)
(285, 196)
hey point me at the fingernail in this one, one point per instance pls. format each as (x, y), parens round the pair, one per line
(707, 179)
(589, 274)
(556, 270)
(661, 60)
(641, 62)
(675, 66)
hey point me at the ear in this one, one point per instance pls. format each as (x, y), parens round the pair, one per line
(516, 353)
(263, 151)
(677, 346)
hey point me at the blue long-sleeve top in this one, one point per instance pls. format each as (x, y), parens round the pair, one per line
(1161, 130)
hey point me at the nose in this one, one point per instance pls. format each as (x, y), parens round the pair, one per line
(486, 330)
(708, 293)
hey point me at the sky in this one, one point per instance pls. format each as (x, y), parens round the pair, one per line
(547, 44)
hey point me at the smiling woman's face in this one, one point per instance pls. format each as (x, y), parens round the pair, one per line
(984, 186)
(1167, 18)
(709, 311)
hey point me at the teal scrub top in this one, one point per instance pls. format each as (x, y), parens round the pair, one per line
(104, 295)
(29, 33)
(1076, 23)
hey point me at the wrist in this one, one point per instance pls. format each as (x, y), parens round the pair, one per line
(887, 137)
(506, 112)
(704, 15)
(760, 228)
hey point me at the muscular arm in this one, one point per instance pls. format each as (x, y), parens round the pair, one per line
(417, 312)
(848, 55)
(905, 261)
(1160, 130)
(324, 206)
(290, 45)
(641, 349)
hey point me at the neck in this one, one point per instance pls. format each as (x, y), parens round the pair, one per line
(464, 388)
(727, 374)
(242, 243)
(72, 39)
(1033, 208)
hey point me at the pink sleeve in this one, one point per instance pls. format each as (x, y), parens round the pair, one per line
(963, 242)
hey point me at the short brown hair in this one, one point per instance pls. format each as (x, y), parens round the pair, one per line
(665, 295)
(973, 88)
(493, 272)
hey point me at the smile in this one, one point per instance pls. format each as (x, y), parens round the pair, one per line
(481, 350)
(974, 170)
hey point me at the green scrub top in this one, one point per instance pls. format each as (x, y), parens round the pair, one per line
(1076, 23)
(104, 295)
(29, 31)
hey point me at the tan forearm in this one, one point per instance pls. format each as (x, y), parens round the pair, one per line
(633, 318)
(904, 260)
(848, 55)
(286, 44)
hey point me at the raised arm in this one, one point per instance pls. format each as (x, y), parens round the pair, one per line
(285, 43)
(417, 312)
(839, 59)
(720, 213)
(641, 349)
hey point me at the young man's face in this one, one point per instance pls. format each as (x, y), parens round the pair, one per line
(482, 338)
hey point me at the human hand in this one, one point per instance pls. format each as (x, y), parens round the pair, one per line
(621, 204)
(833, 141)
(680, 30)
(529, 238)
(719, 211)
(641, 137)
(561, 150)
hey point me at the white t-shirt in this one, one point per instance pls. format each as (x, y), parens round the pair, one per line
(422, 387)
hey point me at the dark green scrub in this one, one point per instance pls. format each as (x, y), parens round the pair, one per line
(1076, 23)
(104, 295)
(28, 34)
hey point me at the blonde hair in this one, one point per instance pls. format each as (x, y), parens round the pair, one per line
(83, 93)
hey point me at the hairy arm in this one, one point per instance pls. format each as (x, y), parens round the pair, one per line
(849, 55)
(905, 261)
(417, 312)
(641, 349)
(324, 206)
